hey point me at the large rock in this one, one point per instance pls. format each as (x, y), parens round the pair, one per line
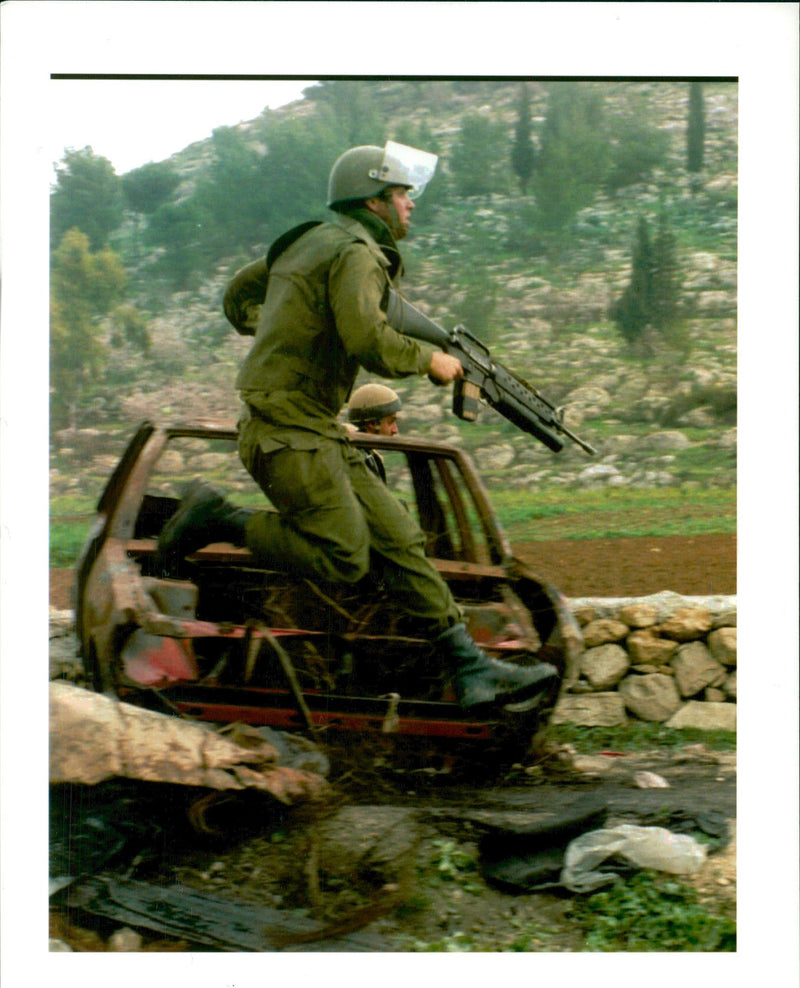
(666, 441)
(599, 473)
(590, 710)
(652, 697)
(687, 624)
(368, 841)
(604, 666)
(645, 647)
(701, 417)
(603, 631)
(95, 737)
(591, 399)
(705, 716)
(695, 669)
(637, 615)
(725, 617)
(722, 645)
(494, 457)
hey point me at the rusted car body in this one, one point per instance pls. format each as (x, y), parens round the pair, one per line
(235, 642)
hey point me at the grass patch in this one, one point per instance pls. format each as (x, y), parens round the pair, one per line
(66, 542)
(615, 513)
(703, 464)
(72, 504)
(548, 514)
(651, 912)
(71, 519)
(638, 736)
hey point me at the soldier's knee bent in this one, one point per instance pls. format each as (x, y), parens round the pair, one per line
(350, 563)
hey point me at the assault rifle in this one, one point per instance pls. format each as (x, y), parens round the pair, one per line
(485, 378)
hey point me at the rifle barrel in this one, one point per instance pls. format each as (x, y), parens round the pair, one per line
(502, 389)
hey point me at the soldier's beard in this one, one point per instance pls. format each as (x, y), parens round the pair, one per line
(398, 228)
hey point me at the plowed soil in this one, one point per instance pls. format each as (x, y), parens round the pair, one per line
(701, 565)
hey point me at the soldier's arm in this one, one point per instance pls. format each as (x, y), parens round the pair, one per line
(356, 288)
(245, 295)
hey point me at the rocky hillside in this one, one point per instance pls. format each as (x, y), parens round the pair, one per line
(662, 416)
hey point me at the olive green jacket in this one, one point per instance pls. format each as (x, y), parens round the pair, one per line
(322, 319)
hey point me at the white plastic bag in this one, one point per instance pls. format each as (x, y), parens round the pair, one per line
(645, 847)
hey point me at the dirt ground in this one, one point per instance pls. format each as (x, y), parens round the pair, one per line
(401, 870)
(702, 565)
(440, 903)
(465, 909)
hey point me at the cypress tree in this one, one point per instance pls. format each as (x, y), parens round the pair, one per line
(696, 129)
(666, 279)
(652, 297)
(522, 153)
(631, 312)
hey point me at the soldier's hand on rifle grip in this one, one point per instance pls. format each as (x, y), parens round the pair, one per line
(444, 368)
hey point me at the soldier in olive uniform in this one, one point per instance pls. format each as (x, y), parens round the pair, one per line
(320, 298)
(373, 409)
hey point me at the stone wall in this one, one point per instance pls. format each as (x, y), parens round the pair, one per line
(662, 658)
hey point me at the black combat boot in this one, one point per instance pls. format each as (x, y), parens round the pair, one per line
(481, 681)
(204, 516)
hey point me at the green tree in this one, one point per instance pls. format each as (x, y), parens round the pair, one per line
(651, 300)
(83, 287)
(129, 326)
(177, 231)
(150, 186)
(522, 153)
(665, 305)
(631, 312)
(638, 148)
(478, 159)
(87, 195)
(354, 113)
(224, 213)
(231, 192)
(572, 162)
(294, 172)
(696, 128)
(147, 188)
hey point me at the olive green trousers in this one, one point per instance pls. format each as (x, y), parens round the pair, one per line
(332, 514)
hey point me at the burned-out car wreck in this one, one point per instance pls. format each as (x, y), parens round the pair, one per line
(232, 642)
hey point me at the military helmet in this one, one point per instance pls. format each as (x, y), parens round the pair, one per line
(365, 171)
(372, 402)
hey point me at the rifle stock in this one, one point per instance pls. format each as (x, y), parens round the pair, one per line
(484, 378)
